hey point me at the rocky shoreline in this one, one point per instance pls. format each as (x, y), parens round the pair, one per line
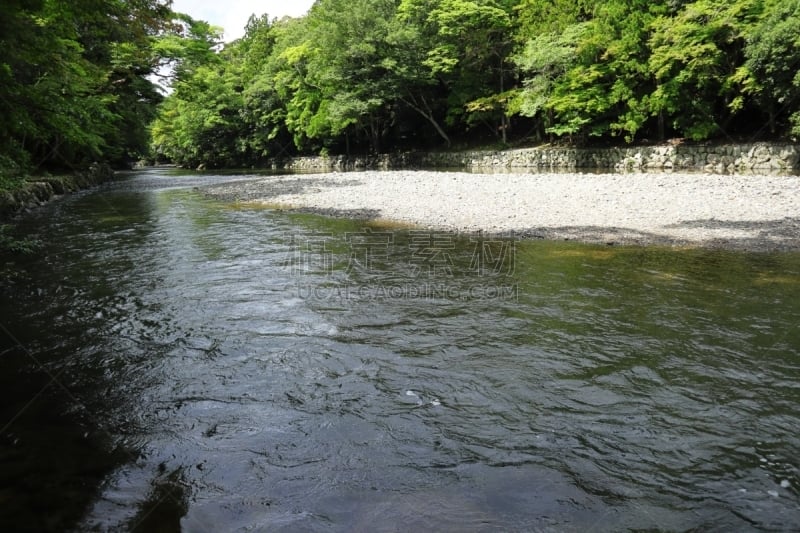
(39, 190)
(743, 212)
(753, 158)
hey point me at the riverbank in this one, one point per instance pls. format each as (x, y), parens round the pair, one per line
(38, 190)
(753, 158)
(745, 212)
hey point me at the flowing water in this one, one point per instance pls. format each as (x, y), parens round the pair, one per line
(170, 362)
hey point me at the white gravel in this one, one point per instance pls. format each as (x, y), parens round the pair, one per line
(736, 211)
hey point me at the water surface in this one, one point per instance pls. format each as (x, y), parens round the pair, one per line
(170, 362)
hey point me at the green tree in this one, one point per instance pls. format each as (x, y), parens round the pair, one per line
(125, 46)
(695, 60)
(590, 77)
(546, 59)
(264, 111)
(468, 44)
(287, 71)
(365, 73)
(201, 122)
(347, 47)
(771, 72)
(189, 45)
(53, 96)
(73, 79)
(536, 17)
(416, 85)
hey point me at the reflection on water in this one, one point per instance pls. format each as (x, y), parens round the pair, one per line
(169, 362)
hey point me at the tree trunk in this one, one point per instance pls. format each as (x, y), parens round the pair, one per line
(772, 121)
(427, 113)
(503, 117)
(375, 134)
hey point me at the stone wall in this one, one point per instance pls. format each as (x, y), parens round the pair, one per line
(718, 159)
(39, 190)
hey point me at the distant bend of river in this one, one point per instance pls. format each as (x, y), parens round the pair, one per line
(173, 362)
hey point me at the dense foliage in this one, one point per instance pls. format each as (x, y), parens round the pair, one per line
(378, 75)
(385, 75)
(76, 80)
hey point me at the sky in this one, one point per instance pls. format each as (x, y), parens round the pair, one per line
(232, 15)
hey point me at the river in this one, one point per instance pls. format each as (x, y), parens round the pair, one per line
(171, 362)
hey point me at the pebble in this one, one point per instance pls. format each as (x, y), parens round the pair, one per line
(645, 208)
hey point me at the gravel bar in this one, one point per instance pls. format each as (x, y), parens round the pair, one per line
(744, 212)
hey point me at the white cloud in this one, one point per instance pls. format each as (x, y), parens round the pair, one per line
(232, 15)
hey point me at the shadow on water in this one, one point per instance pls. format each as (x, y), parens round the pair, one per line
(55, 447)
(170, 362)
(52, 455)
(164, 507)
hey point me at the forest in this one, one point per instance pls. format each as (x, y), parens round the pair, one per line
(74, 84)
(77, 79)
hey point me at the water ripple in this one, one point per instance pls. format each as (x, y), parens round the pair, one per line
(619, 389)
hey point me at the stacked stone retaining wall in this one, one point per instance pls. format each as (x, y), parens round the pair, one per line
(717, 159)
(39, 190)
